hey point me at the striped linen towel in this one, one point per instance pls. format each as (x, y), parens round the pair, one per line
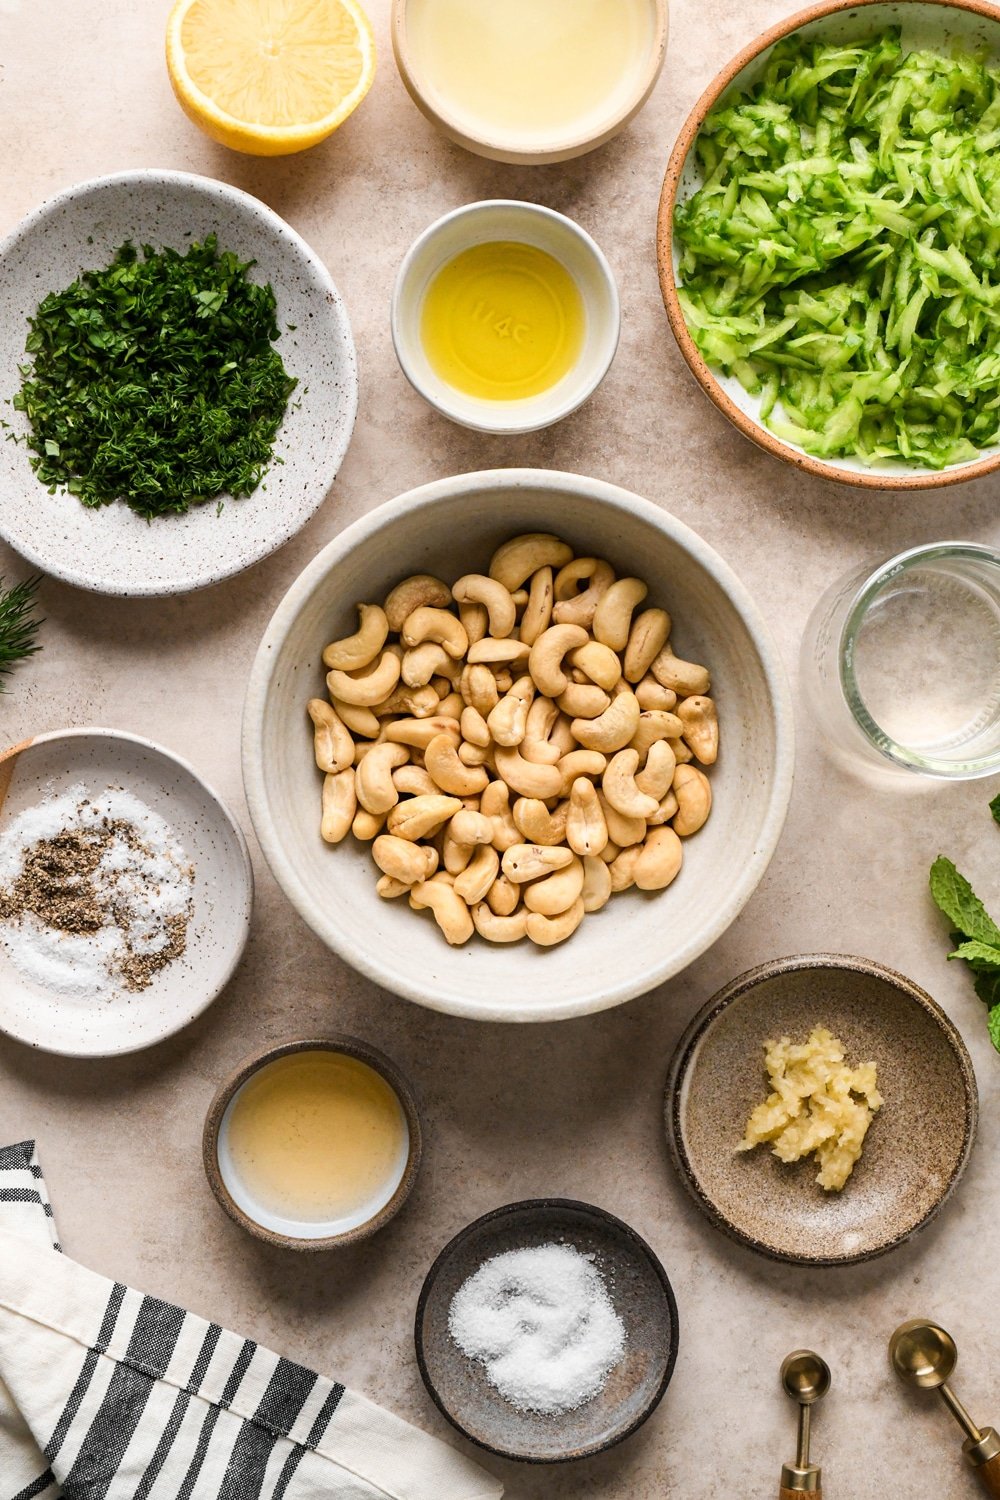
(106, 1394)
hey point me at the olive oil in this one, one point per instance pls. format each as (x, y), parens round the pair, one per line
(502, 321)
(318, 1137)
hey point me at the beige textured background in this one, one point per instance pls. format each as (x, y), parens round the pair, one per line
(570, 1109)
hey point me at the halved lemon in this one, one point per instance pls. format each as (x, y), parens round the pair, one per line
(269, 77)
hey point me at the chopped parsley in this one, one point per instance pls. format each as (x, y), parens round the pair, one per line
(155, 381)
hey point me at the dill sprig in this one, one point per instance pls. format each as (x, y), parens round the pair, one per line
(18, 624)
(155, 380)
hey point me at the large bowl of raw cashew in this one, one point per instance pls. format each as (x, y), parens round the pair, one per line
(518, 745)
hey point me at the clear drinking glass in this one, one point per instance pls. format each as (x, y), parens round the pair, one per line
(900, 663)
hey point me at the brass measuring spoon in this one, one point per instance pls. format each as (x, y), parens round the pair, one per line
(805, 1378)
(924, 1355)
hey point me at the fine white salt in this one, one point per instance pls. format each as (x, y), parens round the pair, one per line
(543, 1325)
(149, 881)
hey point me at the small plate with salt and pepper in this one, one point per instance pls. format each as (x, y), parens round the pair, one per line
(547, 1331)
(125, 893)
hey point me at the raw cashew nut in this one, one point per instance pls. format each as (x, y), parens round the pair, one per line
(339, 805)
(451, 706)
(685, 678)
(561, 735)
(538, 610)
(475, 621)
(623, 831)
(659, 862)
(478, 687)
(599, 663)
(522, 556)
(443, 765)
(450, 911)
(495, 805)
(359, 720)
(586, 826)
(376, 790)
(651, 695)
(369, 687)
(537, 825)
(589, 763)
(366, 825)
(420, 702)
(693, 791)
(499, 929)
(478, 875)
(701, 727)
(610, 852)
(613, 615)
(402, 860)
(646, 640)
(542, 715)
(471, 828)
(573, 608)
(583, 700)
(422, 663)
(546, 657)
(420, 732)
(654, 724)
(558, 892)
(427, 624)
(454, 856)
(361, 648)
(508, 722)
(666, 810)
(622, 869)
(531, 861)
(389, 888)
(526, 777)
(474, 727)
(413, 781)
(683, 751)
(475, 755)
(496, 653)
(613, 729)
(476, 588)
(422, 590)
(596, 884)
(657, 776)
(332, 745)
(419, 816)
(503, 896)
(620, 790)
(545, 931)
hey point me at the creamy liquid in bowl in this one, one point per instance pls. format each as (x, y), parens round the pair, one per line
(314, 1143)
(530, 70)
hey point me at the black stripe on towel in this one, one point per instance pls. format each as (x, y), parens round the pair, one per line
(25, 1195)
(154, 1338)
(242, 1364)
(177, 1415)
(37, 1486)
(86, 1374)
(287, 1392)
(14, 1158)
(316, 1434)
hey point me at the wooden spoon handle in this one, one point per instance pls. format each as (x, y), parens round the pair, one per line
(784, 1494)
(989, 1474)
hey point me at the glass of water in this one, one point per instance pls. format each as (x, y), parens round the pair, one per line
(900, 663)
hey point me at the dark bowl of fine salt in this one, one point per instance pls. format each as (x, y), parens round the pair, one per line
(546, 1331)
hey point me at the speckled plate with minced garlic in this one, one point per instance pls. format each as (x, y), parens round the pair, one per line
(916, 1149)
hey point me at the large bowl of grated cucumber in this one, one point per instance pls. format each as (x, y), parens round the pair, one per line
(829, 241)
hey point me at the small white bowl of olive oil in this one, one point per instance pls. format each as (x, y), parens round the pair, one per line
(313, 1144)
(505, 316)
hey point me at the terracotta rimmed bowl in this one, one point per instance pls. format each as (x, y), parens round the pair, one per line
(642, 1296)
(449, 528)
(95, 759)
(918, 1144)
(974, 23)
(515, 146)
(238, 1203)
(111, 550)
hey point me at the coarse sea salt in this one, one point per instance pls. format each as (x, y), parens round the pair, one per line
(542, 1324)
(149, 879)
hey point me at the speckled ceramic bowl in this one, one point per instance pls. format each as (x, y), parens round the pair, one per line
(112, 550)
(94, 760)
(453, 527)
(643, 1299)
(237, 1200)
(944, 24)
(918, 1144)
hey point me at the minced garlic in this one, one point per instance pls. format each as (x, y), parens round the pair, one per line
(812, 1108)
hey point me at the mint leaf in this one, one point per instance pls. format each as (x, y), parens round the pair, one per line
(993, 1022)
(980, 956)
(995, 808)
(956, 898)
(987, 986)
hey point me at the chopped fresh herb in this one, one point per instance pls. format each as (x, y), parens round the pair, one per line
(995, 808)
(841, 256)
(18, 624)
(977, 936)
(155, 381)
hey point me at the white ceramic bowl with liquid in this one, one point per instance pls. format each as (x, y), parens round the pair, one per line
(449, 528)
(523, 223)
